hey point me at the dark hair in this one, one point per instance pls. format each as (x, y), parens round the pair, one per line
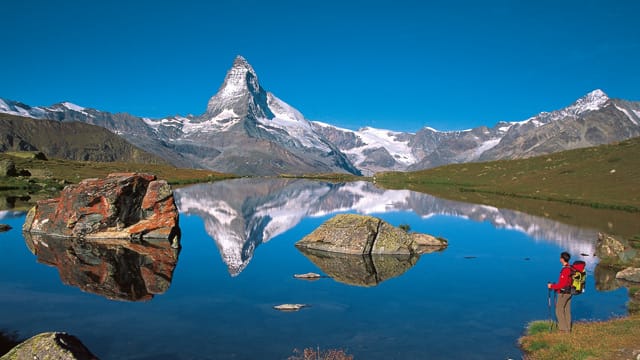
(565, 255)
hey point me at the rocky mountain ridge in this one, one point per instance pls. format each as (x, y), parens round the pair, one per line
(249, 131)
(69, 140)
(594, 119)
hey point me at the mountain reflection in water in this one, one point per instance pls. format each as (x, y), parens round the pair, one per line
(116, 269)
(241, 214)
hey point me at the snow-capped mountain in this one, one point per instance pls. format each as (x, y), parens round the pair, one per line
(249, 131)
(242, 214)
(245, 130)
(592, 120)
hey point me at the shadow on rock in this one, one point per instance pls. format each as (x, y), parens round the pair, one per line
(114, 268)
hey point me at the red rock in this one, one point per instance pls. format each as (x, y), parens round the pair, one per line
(123, 205)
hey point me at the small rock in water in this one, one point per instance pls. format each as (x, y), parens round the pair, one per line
(4, 227)
(308, 276)
(470, 257)
(290, 307)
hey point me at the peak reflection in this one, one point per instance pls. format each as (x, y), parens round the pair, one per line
(241, 214)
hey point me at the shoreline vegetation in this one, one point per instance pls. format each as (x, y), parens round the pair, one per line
(597, 187)
(611, 339)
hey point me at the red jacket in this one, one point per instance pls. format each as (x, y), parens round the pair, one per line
(565, 279)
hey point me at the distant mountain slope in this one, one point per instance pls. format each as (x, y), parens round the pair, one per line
(594, 119)
(68, 140)
(604, 177)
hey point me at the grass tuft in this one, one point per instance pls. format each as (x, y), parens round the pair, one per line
(540, 326)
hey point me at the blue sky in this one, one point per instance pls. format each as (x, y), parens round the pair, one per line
(399, 65)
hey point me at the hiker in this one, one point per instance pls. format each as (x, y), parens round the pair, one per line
(563, 289)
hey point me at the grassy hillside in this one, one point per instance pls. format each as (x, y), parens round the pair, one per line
(68, 140)
(604, 181)
(48, 177)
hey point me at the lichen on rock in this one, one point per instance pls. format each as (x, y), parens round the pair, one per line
(50, 345)
(359, 234)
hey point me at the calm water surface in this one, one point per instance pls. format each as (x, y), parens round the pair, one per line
(238, 258)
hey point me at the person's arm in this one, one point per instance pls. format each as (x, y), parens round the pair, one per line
(564, 280)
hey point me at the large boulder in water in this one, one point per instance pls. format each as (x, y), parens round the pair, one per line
(50, 345)
(359, 234)
(134, 206)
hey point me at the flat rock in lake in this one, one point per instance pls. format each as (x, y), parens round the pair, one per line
(308, 276)
(290, 307)
(4, 227)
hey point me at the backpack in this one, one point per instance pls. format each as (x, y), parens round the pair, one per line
(578, 278)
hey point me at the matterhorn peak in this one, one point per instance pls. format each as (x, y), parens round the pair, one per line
(239, 94)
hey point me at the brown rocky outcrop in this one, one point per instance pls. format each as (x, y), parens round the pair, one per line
(117, 269)
(609, 247)
(359, 234)
(133, 206)
(631, 274)
(619, 266)
(50, 345)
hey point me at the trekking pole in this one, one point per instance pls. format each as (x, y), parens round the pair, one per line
(549, 307)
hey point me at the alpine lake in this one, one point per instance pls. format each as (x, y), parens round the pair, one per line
(472, 300)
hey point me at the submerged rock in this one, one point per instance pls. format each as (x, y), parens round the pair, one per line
(50, 345)
(359, 234)
(4, 227)
(124, 205)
